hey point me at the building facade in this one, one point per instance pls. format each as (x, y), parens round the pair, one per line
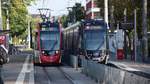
(92, 10)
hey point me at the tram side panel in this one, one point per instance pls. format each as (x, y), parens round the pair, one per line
(70, 43)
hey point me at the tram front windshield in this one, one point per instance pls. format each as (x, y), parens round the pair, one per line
(50, 40)
(94, 38)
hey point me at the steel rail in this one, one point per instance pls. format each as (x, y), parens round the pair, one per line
(67, 76)
(47, 75)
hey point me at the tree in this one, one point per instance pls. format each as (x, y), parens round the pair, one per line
(17, 16)
(130, 5)
(64, 21)
(77, 13)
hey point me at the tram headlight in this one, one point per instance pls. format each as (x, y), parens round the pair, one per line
(87, 27)
(96, 54)
(56, 52)
(43, 52)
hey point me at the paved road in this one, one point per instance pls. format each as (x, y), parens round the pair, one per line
(60, 75)
(50, 75)
(20, 70)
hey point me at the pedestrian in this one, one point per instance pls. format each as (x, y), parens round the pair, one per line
(1, 78)
(3, 59)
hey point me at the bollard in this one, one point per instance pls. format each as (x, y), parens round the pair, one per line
(74, 61)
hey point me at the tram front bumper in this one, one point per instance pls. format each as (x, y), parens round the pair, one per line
(50, 59)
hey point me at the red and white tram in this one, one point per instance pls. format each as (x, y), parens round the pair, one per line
(48, 43)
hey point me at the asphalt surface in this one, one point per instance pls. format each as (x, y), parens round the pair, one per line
(20, 70)
(14, 69)
(51, 75)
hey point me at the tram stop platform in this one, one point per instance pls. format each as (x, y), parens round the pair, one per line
(138, 68)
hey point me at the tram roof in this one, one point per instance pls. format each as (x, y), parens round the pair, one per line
(72, 26)
(87, 23)
(50, 24)
(94, 22)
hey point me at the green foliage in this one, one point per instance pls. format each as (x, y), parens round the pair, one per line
(64, 21)
(79, 12)
(17, 16)
(34, 22)
(18, 21)
(76, 14)
(130, 5)
(120, 5)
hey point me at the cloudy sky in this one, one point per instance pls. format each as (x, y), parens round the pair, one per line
(58, 7)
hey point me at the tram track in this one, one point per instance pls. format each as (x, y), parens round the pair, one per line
(47, 75)
(67, 76)
(53, 79)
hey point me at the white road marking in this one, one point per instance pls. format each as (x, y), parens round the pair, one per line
(31, 76)
(21, 77)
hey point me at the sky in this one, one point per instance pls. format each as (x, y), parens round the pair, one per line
(58, 7)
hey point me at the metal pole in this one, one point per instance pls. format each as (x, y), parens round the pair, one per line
(92, 17)
(7, 20)
(7, 26)
(106, 12)
(112, 18)
(106, 20)
(1, 26)
(135, 34)
(7, 14)
(125, 41)
(144, 25)
(29, 38)
(31, 34)
(125, 15)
